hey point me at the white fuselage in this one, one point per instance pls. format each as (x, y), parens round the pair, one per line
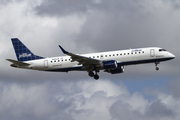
(123, 57)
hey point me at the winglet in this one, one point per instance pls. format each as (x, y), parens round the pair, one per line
(64, 51)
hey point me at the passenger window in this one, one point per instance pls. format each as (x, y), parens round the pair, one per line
(124, 53)
(117, 54)
(109, 55)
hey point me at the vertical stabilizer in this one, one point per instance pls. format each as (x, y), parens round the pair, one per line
(22, 52)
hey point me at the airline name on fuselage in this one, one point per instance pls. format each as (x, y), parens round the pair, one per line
(55, 59)
(137, 50)
(25, 55)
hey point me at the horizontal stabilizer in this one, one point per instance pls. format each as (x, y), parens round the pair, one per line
(18, 62)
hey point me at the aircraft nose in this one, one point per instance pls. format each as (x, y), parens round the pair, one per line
(171, 55)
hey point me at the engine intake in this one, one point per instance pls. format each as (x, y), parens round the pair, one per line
(111, 64)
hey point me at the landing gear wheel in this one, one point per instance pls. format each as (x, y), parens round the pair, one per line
(91, 74)
(157, 68)
(96, 76)
(156, 64)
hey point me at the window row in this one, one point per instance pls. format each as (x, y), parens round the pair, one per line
(101, 56)
(117, 54)
(60, 60)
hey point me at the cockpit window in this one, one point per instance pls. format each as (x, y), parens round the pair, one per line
(162, 50)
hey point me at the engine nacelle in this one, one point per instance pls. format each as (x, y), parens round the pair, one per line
(116, 70)
(111, 64)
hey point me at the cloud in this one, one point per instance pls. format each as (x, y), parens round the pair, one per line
(174, 86)
(78, 100)
(63, 8)
(158, 109)
(83, 27)
(24, 101)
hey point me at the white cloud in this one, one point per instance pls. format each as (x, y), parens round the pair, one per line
(80, 100)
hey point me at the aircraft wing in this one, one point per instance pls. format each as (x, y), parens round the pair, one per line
(85, 61)
(18, 62)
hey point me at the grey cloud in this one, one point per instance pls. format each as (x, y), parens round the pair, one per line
(175, 3)
(121, 110)
(121, 24)
(5, 2)
(174, 88)
(61, 7)
(159, 110)
(121, 28)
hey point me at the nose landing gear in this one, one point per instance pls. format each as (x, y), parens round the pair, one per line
(156, 64)
(157, 68)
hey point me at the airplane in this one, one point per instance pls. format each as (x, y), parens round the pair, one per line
(111, 62)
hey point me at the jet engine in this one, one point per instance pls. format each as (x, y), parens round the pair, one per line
(116, 70)
(111, 64)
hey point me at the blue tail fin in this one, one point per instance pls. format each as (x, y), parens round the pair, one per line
(22, 52)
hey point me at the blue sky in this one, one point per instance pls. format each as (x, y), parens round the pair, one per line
(84, 27)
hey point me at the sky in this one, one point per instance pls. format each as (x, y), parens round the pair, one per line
(86, 26)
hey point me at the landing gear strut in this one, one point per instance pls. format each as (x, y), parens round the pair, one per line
(156, 64)
(91, 74)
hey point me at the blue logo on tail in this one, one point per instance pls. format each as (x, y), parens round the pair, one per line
(22, 52)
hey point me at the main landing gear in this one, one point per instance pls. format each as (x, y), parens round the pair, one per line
(91, 74)
(156, 64)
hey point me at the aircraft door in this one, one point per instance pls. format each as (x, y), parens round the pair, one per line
(46, 63)
(152, 53)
